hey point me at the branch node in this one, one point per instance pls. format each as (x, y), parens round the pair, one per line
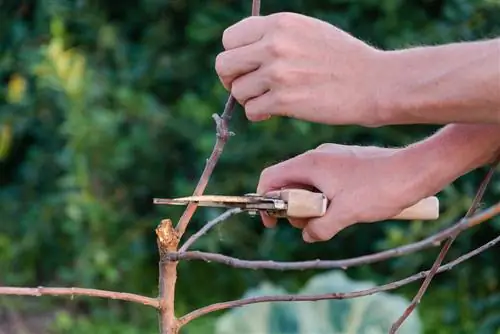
(223, 132)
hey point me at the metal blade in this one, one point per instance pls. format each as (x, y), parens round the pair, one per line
(250, 202)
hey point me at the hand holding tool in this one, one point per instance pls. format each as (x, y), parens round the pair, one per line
(295, 203)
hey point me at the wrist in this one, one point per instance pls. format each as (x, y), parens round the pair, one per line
(453, 83)
(455, 150)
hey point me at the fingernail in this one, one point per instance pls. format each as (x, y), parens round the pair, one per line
(307, 238)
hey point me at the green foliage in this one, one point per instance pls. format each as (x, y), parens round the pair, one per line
(106, 106)
(369, 314)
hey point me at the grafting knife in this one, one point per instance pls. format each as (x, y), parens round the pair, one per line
(295, 203)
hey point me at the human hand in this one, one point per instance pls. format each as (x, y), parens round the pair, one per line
(364, 184)
(287, 64)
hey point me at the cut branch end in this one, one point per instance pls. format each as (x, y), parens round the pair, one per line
(167, 237)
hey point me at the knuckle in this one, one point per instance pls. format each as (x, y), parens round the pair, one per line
(277, 74)
(324, 146)
(283, 20)
(275, 46)
(281, 101)
(314, 158)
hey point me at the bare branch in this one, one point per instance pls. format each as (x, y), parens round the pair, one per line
(440, 258)
(431, 241)
(290, 298)
(168, 238)
(43, 291)
(167, 241)
(256, 7)
(207, 227)
(223, 135)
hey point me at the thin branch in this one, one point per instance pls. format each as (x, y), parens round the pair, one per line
(431, 241)
(223, 135)
(42, 291)
(440, 258)
(207, 227)
(290, 298)
(256, 7)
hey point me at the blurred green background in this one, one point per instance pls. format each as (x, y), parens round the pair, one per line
(107, 104)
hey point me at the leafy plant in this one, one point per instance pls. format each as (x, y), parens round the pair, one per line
(372, 314)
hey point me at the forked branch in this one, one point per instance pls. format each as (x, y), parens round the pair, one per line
(168, 268)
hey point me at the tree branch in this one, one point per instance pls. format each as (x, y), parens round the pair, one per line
(167, 240)
(207, 227)
(168, 237)
(290, 298)
(440, 258)
(42, 291)
(223, 135)
(431, 241)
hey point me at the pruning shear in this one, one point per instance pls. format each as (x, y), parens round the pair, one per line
(294, 203)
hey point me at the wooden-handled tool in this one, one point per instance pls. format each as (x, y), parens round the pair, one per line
(296, 203)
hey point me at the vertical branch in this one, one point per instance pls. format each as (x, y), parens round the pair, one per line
(223, 135)
(168, 237)
(474, 206)
(167, 241)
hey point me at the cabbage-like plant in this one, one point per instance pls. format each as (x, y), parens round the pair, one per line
(373, 314)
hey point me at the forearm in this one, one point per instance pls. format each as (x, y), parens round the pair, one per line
(453, 83)
(450, 153)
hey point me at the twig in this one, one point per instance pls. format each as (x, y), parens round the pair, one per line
(223, 135)
(286, 298)
(207, 227)
(167, 240)
(43, 291)
(433, 240)
(440, 258)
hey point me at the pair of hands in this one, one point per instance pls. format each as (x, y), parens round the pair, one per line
(292, 65)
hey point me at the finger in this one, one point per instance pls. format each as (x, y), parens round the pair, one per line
(249, 86)
(267, 220)
(291, 172)
(247, 31)
(326, 227)
(298, 222)
(273, 103)
(234, 63)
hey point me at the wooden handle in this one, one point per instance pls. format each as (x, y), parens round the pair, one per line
(425, 209)
(307, 204)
